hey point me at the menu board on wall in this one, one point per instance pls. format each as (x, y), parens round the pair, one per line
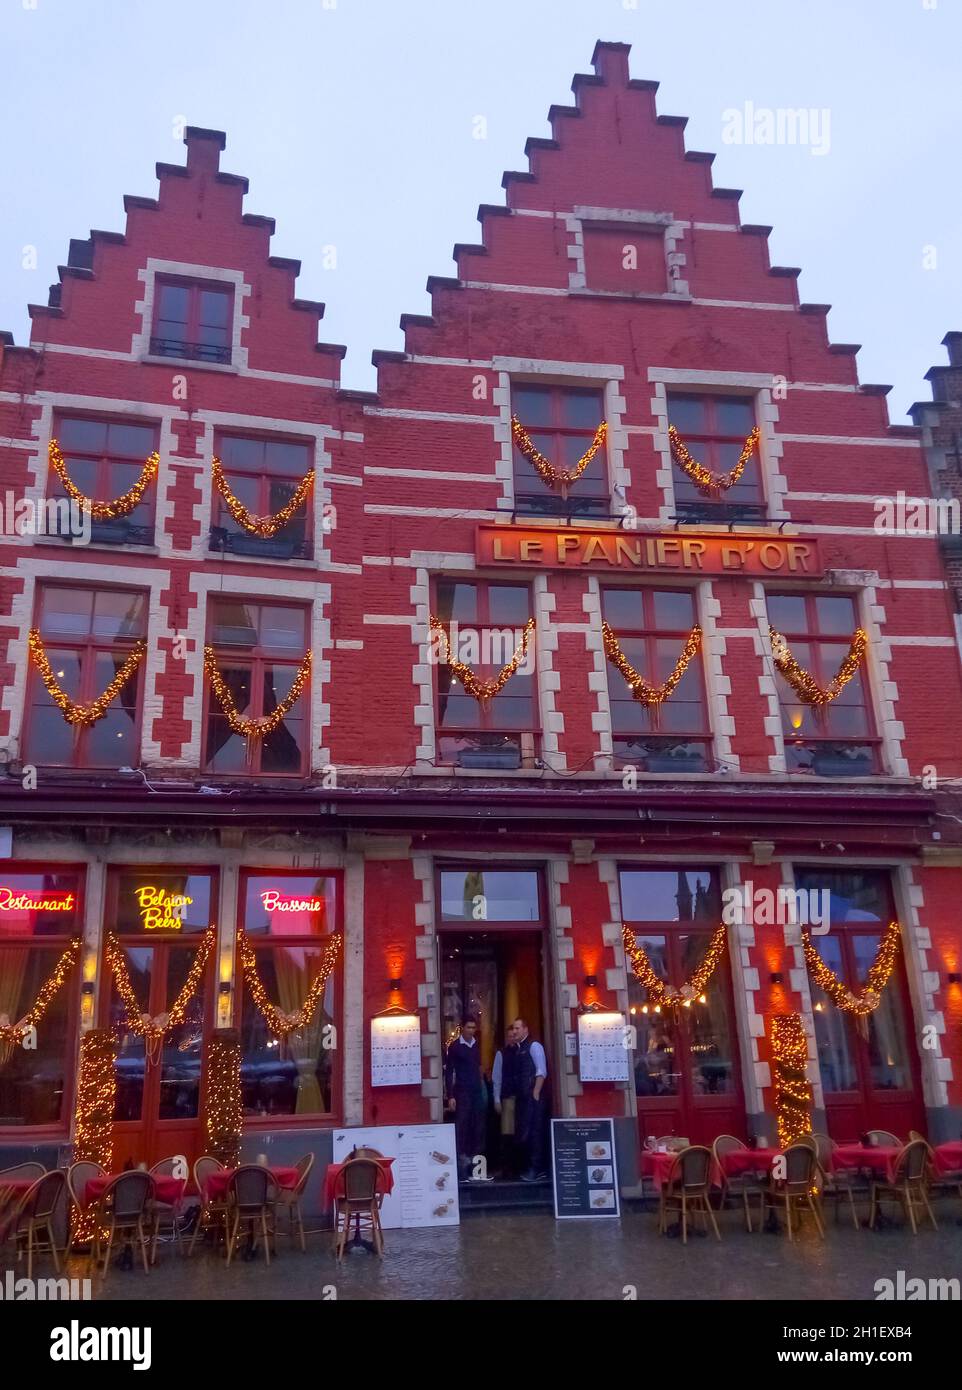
(396, 1050)
(425, 1171)
(585, 1169)
(602, 1050)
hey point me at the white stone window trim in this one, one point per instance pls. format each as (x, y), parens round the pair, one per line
(673, 233)
(148, 274)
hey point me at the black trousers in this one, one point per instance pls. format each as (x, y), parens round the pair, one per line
(469, 1123)
(529, 1131)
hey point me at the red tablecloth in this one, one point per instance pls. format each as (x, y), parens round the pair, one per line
(739, 1162)
(948, 1158)
(656, 1166)
(165, 1189)
(216, 1184)
(877, 1160)
(385, 1183)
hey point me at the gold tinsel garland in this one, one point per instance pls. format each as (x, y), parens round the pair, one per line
(104, 511)
(549, 474)
(13, 1034)
(804, 683)
(263, 526)
(867, 999)
(651, 696)
(482, 690)
(660, 993)
(94, 1115)
(704, 478)
(793, 1094)
(224, 1107)
(154, 1030)
(75, 713)
(267, 723)
(282, 1024)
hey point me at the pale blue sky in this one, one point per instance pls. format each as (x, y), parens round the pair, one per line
(353, 120)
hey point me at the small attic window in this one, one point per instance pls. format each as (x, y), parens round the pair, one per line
(192, 319)
(627, 258)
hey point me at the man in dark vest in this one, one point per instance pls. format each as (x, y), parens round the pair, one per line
(530, 1105)
(504, 1083)
(464, 1086)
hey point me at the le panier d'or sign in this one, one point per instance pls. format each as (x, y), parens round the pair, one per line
(661, 553)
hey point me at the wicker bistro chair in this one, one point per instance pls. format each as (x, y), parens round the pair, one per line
(687, 1190)
(33, 1228)
(122, 1210)
(20, 1171)
(289, 1198)
(909, 1185)
(797, 1190)
(164, 1212)
(836, 1183)
(10, 1201)
(745, 1186)
(211, 1215)
(251, 1194)
(356, 1198)
(884, 1139)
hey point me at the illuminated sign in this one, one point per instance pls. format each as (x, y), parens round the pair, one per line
(688, 555)
(35, 900)
(282, 902)
(160, 910)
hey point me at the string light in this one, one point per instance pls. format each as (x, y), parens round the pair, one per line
(793, 1094)
(74, 713)
(104, 511)
(94, 1114)
(224, 1109)
(659, 991)
(867, 999)
(651, 696)
(154, 1030)
(263, 526)
(254, 728)
(804, 683)
(482, 690)
(13, 1034)
(283, 1024)
(703, 477)
(549, 474)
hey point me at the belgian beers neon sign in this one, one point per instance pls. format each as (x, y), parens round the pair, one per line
(160, 910)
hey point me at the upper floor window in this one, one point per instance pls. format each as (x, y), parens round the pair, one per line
(104, 459)
(263, 475)
(838, 739)
(484, 623)
(714, 429)
(258, 648)
(193, 319)
(88, 634)
(561, 422)
(652, 626)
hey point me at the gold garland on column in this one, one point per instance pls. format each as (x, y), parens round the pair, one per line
(13, 1034)
(804, 683)
(283, 1024)
(793, 1094)
(224, 1108)
(868, 997)
(551, 475)
(483, 691)
(263, 526)
(104, 511)
(651, 696)
(660, 993)
(96, 1094)
(703, 478)
(154, 1030)
(75, 713)
(254, 728)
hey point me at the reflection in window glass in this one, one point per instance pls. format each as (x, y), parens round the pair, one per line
(670, 895)
(492, 895)
(287, 1076)
(888, 1057)
(657, 1070)
(832, 1028)
(33, 1082)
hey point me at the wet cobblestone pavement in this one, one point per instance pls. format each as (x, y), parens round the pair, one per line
(493, 1256)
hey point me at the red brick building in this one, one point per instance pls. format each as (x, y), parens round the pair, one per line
(476, 855)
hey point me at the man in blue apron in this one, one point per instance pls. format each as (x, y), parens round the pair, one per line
(530, 1108)
(466, 1093)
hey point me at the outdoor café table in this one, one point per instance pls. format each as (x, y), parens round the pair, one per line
(657, 1166)
(948, 1158)
(878, 1160)
(385, 1182)
(165, 1189)
(216, 1184)
(737, 1163)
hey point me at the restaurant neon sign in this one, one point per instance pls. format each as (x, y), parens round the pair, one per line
(36, 900)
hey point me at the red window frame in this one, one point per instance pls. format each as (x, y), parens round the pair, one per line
(261, 503)
(261, 943)
(526, 734)
(89, 649)
(713, 447)
(655, 669)
(801, 725)
(53, 946)
(257, 659)
(191, 344)
(551, 438)
(115, 473)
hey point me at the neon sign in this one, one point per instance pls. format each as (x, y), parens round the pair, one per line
(35, 900)
(160, 910)
(275, 901)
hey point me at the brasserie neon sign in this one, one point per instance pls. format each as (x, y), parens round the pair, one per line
(275, 901)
